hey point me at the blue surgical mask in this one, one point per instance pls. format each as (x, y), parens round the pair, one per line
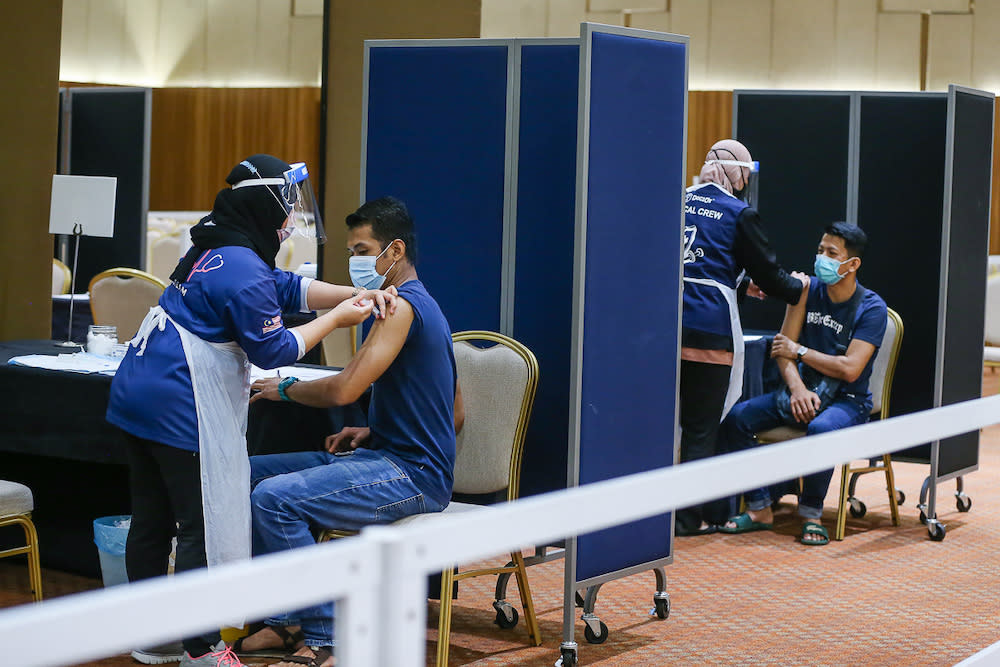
(828, 269)
(363, 273)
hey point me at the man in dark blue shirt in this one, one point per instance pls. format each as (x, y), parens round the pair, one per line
(824, 353)
(402, 463)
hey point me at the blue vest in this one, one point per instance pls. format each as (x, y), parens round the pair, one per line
(412, 410)
(709, 235)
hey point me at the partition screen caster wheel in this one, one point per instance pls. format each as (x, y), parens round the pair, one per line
(661, 607)
(507, 616)
(567, 656)
(592, 638)
(923, 517)
(963, 503)
(858, 508)
(936, 531)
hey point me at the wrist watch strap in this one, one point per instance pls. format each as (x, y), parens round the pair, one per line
(283, 387)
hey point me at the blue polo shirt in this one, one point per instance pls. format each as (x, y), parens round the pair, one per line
(230, 295)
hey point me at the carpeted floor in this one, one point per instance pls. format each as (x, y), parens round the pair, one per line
(883, 596)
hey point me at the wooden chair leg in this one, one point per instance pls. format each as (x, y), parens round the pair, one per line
(841, 527)
(890, 482)
(530, 620)
(444, 617)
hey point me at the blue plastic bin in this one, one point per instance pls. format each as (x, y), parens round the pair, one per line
(110, 533)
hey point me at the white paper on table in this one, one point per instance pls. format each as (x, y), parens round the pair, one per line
(80, 362)
(301, 372)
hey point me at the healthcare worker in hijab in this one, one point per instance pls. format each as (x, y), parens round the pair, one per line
(723, 240)
(182, 390)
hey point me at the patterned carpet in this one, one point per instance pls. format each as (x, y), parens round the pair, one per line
(883, 596)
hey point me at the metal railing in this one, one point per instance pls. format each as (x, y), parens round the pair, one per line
(379, 577)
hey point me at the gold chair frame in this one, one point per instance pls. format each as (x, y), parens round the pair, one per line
(516, 565)
(31, 548)
(846, 471)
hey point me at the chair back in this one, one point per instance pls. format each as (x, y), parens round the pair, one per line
(122, 297)
(61, 277)
(498, 390)
(164, 253)
(884, 366)
(993, 310)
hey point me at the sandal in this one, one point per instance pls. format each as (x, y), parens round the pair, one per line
(320, 654)
(813, 528)
(744, 524)
(289, 642)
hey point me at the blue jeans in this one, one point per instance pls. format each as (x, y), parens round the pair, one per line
(298, 492)
(746, 419)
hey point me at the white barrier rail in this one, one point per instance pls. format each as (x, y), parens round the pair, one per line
(381, 574)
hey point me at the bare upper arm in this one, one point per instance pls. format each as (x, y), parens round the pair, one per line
(381, 347)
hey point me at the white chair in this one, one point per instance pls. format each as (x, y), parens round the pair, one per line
(122, 297)
(880, 384)
(498, 390)
(61, 277)
(991, 351)
(16, 504)
(164, 253)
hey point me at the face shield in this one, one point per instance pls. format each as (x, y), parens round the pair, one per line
(297, 199)
(751, 174)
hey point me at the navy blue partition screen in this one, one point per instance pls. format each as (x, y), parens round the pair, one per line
(625, 373)
(545, 221)
(435, 135)
(968, 182)
(109, 130)
(796, 200)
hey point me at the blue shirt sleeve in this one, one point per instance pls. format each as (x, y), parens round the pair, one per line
(871, 321)
(254, 317)
(289, 290)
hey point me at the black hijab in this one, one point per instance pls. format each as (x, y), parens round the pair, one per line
(247, 217)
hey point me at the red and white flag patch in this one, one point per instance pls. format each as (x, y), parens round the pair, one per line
(271, 324)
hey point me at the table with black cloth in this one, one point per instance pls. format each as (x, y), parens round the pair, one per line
(54, 439)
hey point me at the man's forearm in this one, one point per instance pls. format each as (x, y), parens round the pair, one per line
(833, 366)
(327, 295)
(790, 373)
(323, 393)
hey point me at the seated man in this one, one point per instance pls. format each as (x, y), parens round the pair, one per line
(833, 334)
(402, 464)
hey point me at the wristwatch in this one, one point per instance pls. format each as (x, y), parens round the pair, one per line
(799, 353)
(283, 387)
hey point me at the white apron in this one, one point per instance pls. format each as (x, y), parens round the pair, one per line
(220, 377)
(736, 373)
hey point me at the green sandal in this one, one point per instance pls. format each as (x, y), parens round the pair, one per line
(813, 528)
(744, 524)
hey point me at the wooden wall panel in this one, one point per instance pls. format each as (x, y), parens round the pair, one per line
(710, 118)
(199, 134)
(29, 37)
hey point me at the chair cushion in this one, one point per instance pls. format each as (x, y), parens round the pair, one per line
(15, 499)
(781, 434)
(452, 508)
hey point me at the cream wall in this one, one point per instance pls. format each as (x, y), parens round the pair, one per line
(817, 44)
(218, 43)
